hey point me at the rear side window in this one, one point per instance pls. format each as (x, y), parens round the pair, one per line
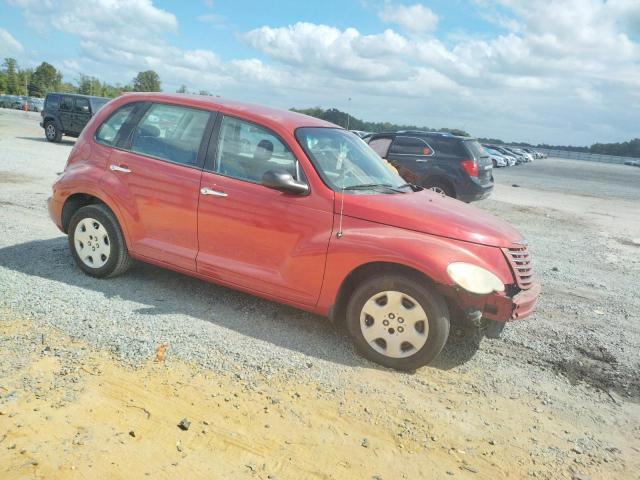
(410, 146)
(81, 105)
(52, 102)
(448, 147)
(246, 151)
(108, 131)
(98, 103)
(66, 103)
(380, 146)
(170, 132)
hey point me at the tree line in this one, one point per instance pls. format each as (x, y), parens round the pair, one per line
(345, 120)
(45, 78)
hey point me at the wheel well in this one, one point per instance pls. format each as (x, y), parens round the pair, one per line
(73, 204)
(350, 283)
(442, 180)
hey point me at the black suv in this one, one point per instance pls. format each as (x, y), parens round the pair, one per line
(456, 166)
(68, 113)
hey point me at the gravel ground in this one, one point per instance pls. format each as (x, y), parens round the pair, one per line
(579, 351)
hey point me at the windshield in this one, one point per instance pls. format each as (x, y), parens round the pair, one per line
(345, 162)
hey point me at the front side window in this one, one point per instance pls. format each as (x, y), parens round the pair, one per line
(170, 132)
(410, 146)
(247, 151)
(108, 131)
(52, 101)
(347, 163)
(66, 103)
(81, 105)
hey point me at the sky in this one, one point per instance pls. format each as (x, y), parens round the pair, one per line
(540, 71)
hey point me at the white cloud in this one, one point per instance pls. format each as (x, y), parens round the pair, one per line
(415, 18)
(558, 73)
(8, 44)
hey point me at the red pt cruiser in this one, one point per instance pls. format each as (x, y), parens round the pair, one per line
(290, 208)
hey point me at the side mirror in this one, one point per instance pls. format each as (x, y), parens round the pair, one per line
(284, 181)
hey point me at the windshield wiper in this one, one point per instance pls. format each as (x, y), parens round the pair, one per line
(373, 186)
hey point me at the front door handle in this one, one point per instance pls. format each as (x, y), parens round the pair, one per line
(215, 193)
(118, 168)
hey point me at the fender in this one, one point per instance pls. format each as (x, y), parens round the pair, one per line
(366, 242)
(66, 186)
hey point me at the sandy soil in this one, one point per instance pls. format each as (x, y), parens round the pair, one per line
(65, 415)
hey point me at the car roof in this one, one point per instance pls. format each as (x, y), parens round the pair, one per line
(258, 113)
(78, 95)
(424, 133)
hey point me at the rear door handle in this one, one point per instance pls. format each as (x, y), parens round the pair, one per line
(118, 168)
(215, 193)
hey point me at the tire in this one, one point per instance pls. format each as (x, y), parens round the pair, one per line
(102, 258)
(440, 186)
(52, 132)
(495, 164)
(371, 330)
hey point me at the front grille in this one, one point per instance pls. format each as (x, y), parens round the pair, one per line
(520, 262)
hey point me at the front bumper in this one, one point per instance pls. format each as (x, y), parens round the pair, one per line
(499, 306)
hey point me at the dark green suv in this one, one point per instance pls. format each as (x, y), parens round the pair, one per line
(68, 113)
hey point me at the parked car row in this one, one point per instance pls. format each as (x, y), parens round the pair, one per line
(506, 156)
(33, 104)
(300, 211)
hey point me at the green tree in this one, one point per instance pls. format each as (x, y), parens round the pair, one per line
(182, 89)
(45, 79)
(89, 85)
(148, 81)
(11, 71)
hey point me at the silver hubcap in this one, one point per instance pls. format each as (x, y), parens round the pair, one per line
(394, 324)
(51, 131)
(438, 190)
(92, 244)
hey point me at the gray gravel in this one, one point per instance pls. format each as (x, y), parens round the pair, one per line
(585, 333)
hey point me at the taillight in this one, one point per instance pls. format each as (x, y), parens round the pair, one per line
(471, 167)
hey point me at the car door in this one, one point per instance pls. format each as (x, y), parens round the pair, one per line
(81, 113)
(155, 174)
(65, 114)
(257, 238)
(409, 155)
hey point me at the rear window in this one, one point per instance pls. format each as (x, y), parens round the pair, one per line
(475, 149)
(66, 103)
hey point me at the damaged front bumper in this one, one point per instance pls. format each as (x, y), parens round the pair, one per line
(500, 307)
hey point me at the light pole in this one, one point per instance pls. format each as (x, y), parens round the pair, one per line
(348, 107)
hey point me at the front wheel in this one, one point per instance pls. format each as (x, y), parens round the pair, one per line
(398, 321)
(96, 242)
(52, 132)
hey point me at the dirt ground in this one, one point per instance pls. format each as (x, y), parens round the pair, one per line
(95, 376)
(89, 416)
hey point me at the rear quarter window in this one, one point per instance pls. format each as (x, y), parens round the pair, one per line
(475, 149)
(448, 147)
(107, 133)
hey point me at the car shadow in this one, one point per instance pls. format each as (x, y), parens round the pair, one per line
(64, 141)
(160, 291)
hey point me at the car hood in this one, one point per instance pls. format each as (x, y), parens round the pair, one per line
(429, 212)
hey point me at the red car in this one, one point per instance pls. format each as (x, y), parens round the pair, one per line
(290, 208)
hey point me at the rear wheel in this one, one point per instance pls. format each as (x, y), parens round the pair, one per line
(52, 132)
(441, 187)
(398, 321)
(96, 242)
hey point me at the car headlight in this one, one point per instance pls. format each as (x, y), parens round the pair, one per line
(474, 279)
